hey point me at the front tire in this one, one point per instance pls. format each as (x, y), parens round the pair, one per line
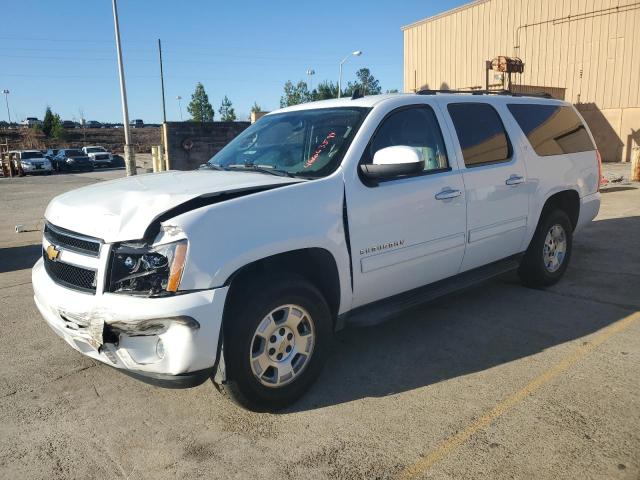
(549, 252)
(276, 340)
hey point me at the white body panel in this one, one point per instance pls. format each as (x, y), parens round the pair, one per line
(399, 235)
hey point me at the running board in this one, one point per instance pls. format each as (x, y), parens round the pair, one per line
(382, 310)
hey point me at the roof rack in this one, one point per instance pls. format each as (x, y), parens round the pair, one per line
(428, 91)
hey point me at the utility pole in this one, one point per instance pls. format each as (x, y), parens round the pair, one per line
(129, 154)
(164, 109)
(6, 100)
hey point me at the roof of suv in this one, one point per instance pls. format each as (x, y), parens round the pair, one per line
(373, 100)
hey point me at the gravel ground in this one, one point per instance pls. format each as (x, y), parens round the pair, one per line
(497, 382)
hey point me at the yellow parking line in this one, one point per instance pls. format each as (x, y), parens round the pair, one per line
(421, 466)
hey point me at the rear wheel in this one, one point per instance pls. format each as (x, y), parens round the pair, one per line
(548, 255)
(275, 343)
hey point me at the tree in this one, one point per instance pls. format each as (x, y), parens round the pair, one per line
(393, 90)
(295, 94)
(47, 123)
(366, 82)
(256, 108)
(199, 107)
(325, 91)
(57, 130)
(227, 112)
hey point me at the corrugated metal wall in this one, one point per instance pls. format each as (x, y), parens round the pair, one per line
(589, 47)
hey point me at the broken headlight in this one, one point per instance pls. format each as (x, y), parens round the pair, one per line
(149, 271)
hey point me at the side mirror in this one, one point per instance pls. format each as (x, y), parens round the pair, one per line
(392, 162)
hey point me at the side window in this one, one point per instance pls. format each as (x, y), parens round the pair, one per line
(417, 127)
(552, 129)
(481, 133)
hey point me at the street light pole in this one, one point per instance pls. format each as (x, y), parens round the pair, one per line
(129, 155)
(357, 53)
(6, 100)
(179, 98)
(310, 73)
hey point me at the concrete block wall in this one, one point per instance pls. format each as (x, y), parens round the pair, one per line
(190, 144)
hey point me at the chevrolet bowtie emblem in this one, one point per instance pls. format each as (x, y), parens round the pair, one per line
(52, 253)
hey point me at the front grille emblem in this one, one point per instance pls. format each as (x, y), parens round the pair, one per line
(52, 253)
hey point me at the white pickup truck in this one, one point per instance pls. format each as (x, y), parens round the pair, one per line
(317, 216)
(100, 156)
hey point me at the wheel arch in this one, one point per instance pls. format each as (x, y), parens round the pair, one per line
(317, 265)
(566, 200)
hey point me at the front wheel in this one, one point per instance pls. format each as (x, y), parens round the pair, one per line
(548, 255)
(275, 343)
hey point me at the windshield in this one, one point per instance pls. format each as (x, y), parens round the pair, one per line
(95, 149)
(73, 153)
(306, 143)
(26, 155)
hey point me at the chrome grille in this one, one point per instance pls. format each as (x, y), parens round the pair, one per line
(70, 276)
(72, 241)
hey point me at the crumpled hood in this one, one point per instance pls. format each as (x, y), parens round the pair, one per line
(122, 209)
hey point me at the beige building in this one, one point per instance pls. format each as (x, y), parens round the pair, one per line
(585, 51)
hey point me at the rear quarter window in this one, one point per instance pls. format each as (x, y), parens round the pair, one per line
(552, 129)
(481, 134)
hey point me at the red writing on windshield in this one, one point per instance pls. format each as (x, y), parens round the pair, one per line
(319, 150)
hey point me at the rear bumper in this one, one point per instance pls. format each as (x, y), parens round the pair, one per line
(589, 208)
(113, 329)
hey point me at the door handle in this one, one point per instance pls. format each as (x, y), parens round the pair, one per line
(514, 180)
(448, 194)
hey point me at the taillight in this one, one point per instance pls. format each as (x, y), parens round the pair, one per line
(601, 179)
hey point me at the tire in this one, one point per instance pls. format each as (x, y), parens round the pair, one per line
(535, 269)
(244, 349)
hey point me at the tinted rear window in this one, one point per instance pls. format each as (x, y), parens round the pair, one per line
(481, 133)
(552, 129)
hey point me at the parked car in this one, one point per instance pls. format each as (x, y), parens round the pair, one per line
(318, 216)
(93, 124)
(100, 156)
(68, 159)
(50, 153)
(136, 123)
(33, 162)
(68, 124)
(117, 161)
(31, 122)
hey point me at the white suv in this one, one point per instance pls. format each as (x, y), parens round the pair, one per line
(317, 216)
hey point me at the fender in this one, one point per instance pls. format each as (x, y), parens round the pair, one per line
(226, 236)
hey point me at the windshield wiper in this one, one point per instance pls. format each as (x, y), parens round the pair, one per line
(258, 168)
(210, 166)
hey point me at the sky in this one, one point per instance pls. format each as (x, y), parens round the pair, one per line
(62, 53)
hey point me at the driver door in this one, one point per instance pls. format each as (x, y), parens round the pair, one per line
(407, 231)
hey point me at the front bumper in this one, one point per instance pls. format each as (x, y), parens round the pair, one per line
(33, 169)
(101, 161)
(84, 321)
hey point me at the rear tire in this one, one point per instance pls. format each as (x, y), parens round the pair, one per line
(277, 334)
(549, 252)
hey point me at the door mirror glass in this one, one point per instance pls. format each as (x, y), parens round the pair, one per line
(392, 162)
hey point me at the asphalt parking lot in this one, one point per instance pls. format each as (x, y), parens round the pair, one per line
(496, 382)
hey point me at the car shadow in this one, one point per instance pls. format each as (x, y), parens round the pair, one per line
(19, 258)
(490, 325)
